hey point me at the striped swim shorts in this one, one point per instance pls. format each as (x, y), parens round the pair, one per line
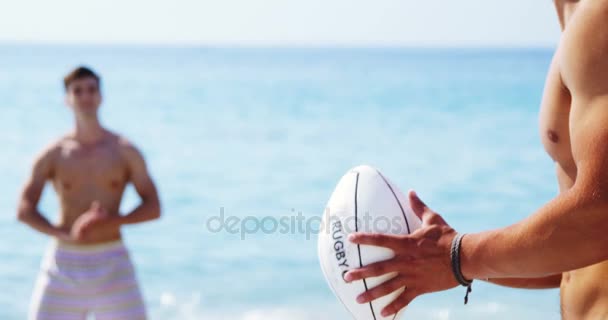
(76, 281)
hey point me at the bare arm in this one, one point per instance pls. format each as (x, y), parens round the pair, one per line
(27, 211)
(570, 231)
(149, 209)
(548, 282)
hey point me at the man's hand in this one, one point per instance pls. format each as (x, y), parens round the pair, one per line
(95, 216)
(421, 261)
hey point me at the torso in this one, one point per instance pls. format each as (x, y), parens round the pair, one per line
(83, 174)
(584, 292)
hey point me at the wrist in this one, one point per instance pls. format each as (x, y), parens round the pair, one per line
(455, 257)
(57, 232)
(469, 263)
(116, 220)
(61, 234)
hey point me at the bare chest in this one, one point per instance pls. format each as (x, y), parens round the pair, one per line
(554, 123)
(89, 170)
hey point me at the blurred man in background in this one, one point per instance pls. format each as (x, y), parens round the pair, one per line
(87, 269)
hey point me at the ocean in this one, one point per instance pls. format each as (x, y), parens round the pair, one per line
(254, 133)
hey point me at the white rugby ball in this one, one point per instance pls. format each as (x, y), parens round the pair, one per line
(363, 201)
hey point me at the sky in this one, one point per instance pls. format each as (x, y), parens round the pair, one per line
(425, 23)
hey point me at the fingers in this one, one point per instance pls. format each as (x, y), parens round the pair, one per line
(98, 209)
(77, 232)
(401, 302)
(87, 224)
(381, 290)
(423, 212)
(419, 207)
(80, 228)
(394, 242)
(373, 270)
(80, 235)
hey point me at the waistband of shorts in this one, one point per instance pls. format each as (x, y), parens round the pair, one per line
(88, 248)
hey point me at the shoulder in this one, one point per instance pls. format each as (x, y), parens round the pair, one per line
(127, 149)
(53, 149)
(45, 160)
(584, 48)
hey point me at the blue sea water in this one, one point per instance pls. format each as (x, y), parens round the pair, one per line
(268, 132)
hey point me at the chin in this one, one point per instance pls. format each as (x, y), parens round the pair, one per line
(87, 109)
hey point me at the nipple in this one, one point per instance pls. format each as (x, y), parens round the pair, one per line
(553, 136)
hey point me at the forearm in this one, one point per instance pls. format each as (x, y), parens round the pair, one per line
(146, 211)
(568, 233)
(38, 222)
(549, 282)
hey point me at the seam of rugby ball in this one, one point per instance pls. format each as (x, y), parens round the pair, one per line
(396, 199)
(400, 207)
(331, 286)
(371, 307)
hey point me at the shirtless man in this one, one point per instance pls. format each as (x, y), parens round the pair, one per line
(87, 269)
(565, 243)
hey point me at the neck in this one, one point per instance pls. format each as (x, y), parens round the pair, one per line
(88, 129)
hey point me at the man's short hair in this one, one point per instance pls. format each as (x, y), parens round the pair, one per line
(80, 73)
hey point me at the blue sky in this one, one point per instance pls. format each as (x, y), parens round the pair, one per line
(283, 22)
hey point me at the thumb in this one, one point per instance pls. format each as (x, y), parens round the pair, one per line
(419, 207)
(95, 206)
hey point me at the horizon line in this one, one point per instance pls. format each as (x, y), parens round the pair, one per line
(276, 46)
